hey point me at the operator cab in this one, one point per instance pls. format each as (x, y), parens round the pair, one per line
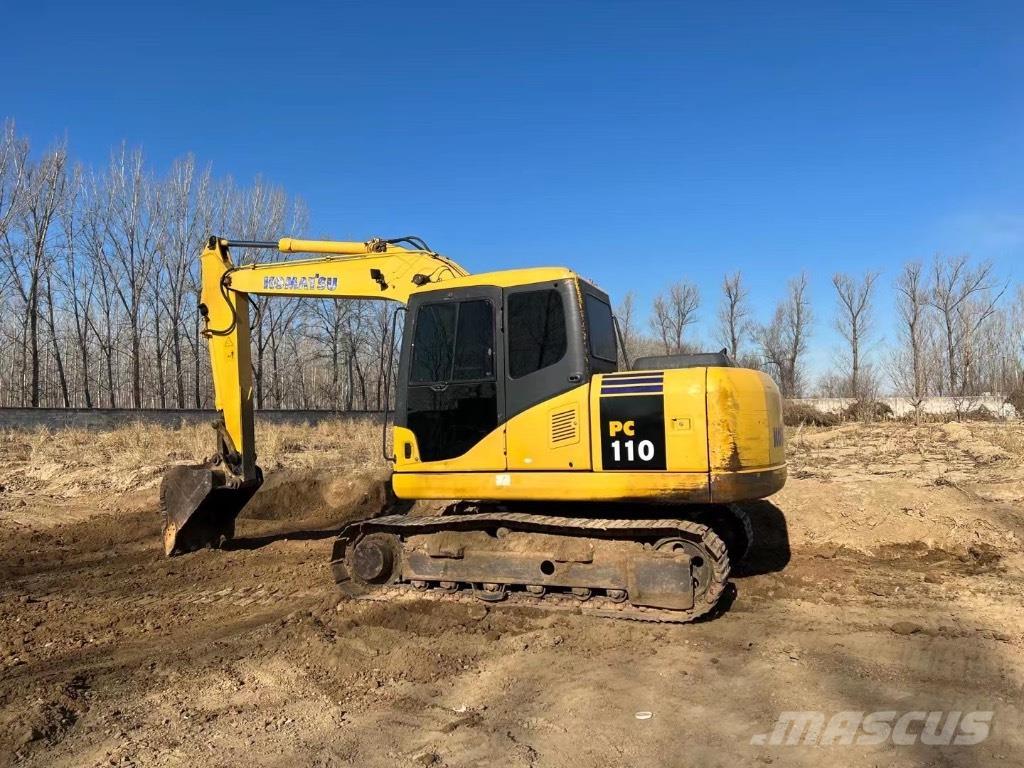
(475, 356)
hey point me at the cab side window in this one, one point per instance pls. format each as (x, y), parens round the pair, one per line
(600, 328)
(474, 352)
(536, 331)
(433, 343)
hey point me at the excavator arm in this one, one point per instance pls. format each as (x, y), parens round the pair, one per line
(200, 502)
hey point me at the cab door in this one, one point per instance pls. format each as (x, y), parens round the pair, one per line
(546, 379)
(453, 399)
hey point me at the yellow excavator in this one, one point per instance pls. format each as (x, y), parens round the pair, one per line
(585, 482)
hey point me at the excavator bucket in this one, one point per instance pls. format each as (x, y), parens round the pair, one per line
(199, 505)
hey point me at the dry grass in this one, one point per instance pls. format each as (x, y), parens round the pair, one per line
(1008, 436)
(68, 462)
(330, 443)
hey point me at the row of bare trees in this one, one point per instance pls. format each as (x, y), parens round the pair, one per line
(779, 346)
(961, 335)
(957, 332)
(99, 289)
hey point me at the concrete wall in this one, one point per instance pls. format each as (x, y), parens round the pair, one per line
(106, 418)
(901, 406)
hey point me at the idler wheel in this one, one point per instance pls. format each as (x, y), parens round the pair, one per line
(373, 559)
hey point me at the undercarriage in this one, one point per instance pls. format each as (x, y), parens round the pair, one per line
(667, 570)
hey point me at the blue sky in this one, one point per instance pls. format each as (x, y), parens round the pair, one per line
(637, 142)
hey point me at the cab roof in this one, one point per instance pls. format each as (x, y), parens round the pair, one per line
(506, 278)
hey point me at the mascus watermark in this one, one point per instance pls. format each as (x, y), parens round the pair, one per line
(935, 728)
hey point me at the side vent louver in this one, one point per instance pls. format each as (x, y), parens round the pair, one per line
(565, 427)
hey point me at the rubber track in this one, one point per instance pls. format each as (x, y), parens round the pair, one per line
(567, 526)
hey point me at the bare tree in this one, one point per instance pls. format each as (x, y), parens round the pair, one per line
(854, 323)
(327, 326)
(625, 316)
(26, 256)
(356, 345)
(129, 253)
(734, 314)
(101, 318)
(77, 282)
(912, 363)
(965, 298)
(674, 312)
(989, 355)
(13, 161)
(185, 221)
(784, 340)
(382, 330)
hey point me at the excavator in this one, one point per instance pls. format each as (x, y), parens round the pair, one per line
(579, 480)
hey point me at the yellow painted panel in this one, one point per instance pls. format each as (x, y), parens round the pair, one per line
(403, 439)
(677, 487)
(744, 420)
(226, 325)
(509, 278)
(488, 454)
(686, 436)
(529, 435)
(384, 276)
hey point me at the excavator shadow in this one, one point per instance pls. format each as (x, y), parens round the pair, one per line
(770, 551)
(291, 534)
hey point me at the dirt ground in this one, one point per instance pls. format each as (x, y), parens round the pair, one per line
(888, 576)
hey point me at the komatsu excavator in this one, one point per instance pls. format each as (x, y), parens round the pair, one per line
(585, 483)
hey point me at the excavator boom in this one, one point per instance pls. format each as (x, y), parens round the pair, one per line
(200, 502)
